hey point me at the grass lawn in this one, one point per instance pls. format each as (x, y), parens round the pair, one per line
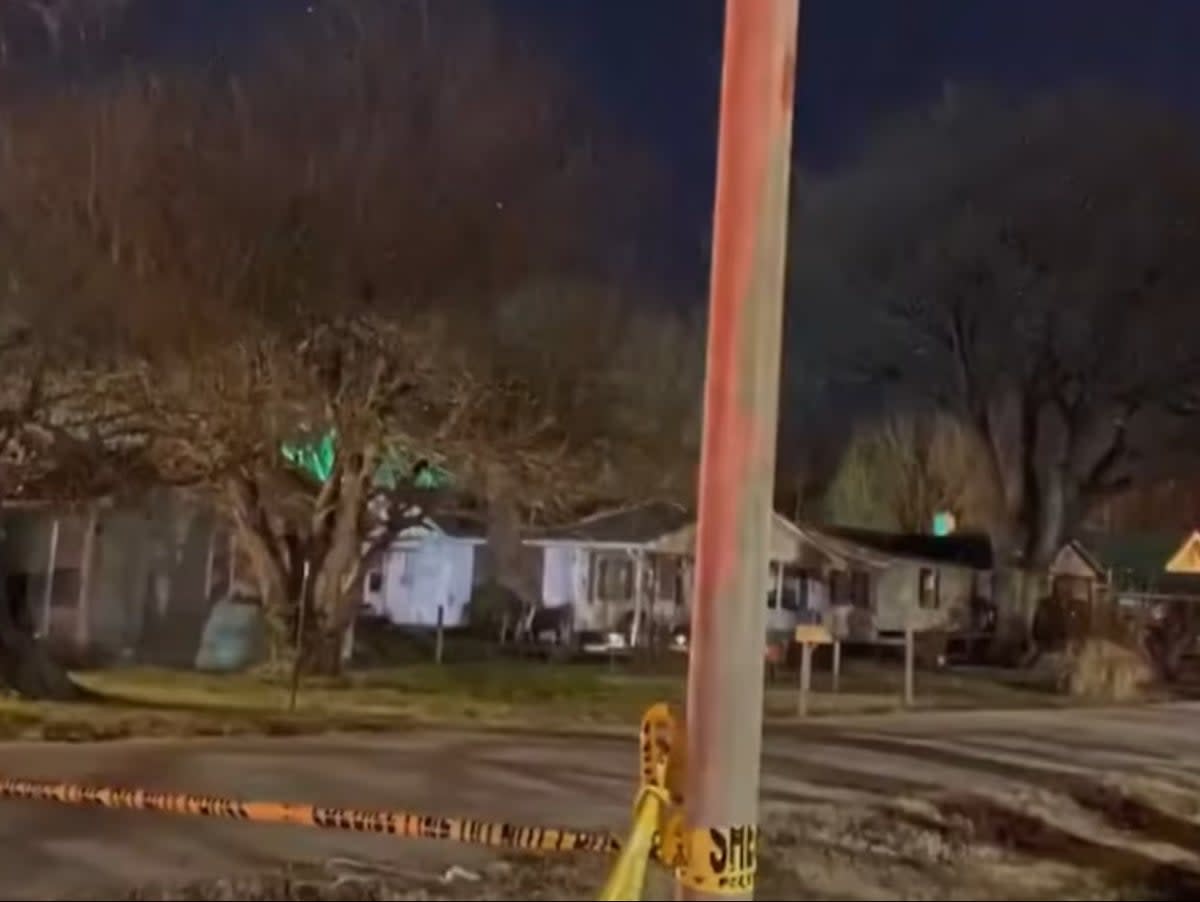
(489, 693)
(501, 693)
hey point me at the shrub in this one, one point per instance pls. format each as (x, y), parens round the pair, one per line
(1099, 669)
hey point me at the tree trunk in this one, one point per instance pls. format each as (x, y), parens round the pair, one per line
(1017, 595)
(324, 638)
(504, 544)
(26, 666)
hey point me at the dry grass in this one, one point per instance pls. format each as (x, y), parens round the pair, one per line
(499, 693)
(1106, 671)
(129, 703)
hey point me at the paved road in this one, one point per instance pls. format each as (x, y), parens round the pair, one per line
(50, 851)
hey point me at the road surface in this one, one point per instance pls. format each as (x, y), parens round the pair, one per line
(51, 851)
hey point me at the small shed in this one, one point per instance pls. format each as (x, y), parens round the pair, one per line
(427, 568)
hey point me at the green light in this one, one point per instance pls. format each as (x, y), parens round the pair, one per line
(943, 523)
(318, 459)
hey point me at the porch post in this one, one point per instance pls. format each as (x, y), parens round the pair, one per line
(83, 624)
(48, 586)
(209, 561)
(639, 578)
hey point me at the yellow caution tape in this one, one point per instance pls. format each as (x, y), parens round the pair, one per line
(393, 823)
(628, 877)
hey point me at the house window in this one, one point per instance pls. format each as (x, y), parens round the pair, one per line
(860, 589)
(927, 588)
(795, 591)
(666, 578)
(838, 587)
(374, 581)
(613, 578)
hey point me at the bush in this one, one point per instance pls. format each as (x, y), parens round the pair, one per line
(493, 607)
(1099, 669)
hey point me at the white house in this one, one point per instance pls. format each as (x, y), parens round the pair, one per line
(606, 567)
(427, 568)
(866, 586)
(795, 593)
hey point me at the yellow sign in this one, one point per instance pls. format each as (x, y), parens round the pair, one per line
(813, 634)
(722, 861)
(1187, 558)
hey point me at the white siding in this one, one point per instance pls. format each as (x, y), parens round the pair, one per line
(419, 577)
(897, 597)
(559, 583)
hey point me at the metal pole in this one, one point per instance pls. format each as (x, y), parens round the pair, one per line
(725, 676)
(806, 650)
(909, 664)
(440, 640)
(301, 629)
(837, 665)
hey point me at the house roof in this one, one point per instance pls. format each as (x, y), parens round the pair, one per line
(961, 549)
(460, 526)
(784, 540)
(637, 525)
(1138, 562)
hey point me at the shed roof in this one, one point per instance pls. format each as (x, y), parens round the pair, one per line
(460, 526)
(784, 540)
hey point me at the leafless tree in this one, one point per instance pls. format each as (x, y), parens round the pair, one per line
(335, 243)
(900, 471)
(56, 446)
(29, 26)
(1027, 269)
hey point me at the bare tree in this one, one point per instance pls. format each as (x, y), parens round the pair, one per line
(1027, 269)
(606, 409)
(899, 472)
(56, 446)
(321, 246)
(28, 27)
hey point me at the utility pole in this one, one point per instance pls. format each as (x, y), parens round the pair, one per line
(737, 469)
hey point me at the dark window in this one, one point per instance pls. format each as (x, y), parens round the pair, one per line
(374, 581)
(927, 588)
(838, 587)
(666, 578)
(613, 578)
(860, 589)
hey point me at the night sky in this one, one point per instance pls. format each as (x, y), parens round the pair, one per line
(654, 65)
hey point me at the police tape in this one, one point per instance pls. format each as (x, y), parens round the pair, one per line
(717, 861)
(391, 823)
